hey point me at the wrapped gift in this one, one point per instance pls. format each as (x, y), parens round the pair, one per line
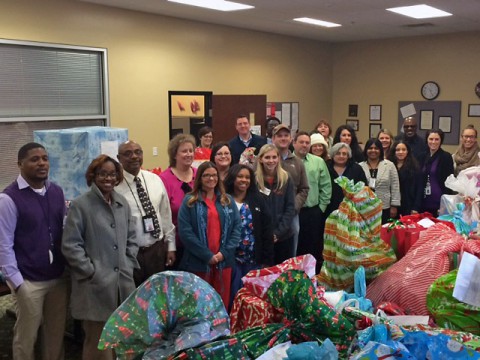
(406, 282)
(258, 281)
(461, 226)
(169, 312)
(447, 311)
(352, 238)
(249, 311)
(70, 151)
(227, 349)
(401, 235)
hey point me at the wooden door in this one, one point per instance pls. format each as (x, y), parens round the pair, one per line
(226, 109)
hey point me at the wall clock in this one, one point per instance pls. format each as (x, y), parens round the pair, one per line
(430, 90)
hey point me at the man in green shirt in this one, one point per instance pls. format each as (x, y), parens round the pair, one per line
(312, 218)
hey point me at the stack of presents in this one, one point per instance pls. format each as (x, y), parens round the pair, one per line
(408, 289)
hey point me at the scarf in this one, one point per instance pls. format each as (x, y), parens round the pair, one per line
(465, 159)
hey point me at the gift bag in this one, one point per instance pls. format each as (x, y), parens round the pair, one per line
(352, 238)
(401, 235)
(406, 282)
(461, 226)
(447, 311)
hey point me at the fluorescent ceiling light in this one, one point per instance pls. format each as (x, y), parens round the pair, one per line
(420, 11)
(316, 22)
(215, 4)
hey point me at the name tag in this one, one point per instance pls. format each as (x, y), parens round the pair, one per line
(148, 226)
(265, 191)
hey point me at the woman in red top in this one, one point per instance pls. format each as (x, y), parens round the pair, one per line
(204, 149)
(209, 228)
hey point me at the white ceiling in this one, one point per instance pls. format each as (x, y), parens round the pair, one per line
(361, 19)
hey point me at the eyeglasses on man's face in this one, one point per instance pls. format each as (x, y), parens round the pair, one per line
(129, 153)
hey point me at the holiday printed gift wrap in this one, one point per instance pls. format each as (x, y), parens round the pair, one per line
(169, 312)
(352, 238)
(226, 349)
(447, 311)
(249, 310)
(70, 151)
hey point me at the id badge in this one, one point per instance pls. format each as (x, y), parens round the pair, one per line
(428, 189)
(371, 183)
(148, 226)
(266, 191)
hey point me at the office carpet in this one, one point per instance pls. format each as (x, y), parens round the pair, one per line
(73, 348)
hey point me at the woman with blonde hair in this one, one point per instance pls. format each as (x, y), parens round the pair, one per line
(209, 227)
(386, 138)
(277, 188)
(467, 154)
(179, 177)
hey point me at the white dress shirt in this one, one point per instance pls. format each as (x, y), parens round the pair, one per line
(155, 189)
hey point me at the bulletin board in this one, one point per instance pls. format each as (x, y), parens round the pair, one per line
(286, 112)
(433, 115)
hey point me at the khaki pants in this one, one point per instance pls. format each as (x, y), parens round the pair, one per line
(40, 305)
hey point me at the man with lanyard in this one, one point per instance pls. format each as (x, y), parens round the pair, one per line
(312, 217)
(32, 212)
(244, 139)
(150, 208)
(296, 171)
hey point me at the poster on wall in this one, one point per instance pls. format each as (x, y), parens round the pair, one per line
(286, 112)
(188, 106)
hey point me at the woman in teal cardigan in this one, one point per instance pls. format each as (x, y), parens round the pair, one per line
(209, 227)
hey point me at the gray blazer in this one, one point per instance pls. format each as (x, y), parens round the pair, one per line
(387, 184)
(100, 248)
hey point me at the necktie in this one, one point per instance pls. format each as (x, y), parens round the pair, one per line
(148, 207)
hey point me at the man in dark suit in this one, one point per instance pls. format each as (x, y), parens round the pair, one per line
(244, 139)
(417, 144)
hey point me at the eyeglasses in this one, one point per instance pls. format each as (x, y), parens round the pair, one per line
(129, 153)
(209, 176)
(469, 137)
(104, 175)
(222, 154)
(409, 126)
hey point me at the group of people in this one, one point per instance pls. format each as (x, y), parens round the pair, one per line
(219, 221)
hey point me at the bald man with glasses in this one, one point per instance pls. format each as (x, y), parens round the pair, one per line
(417, 144)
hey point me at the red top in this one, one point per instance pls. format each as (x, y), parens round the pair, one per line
(202, 153)
(214, 231)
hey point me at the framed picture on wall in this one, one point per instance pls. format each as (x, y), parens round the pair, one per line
(375, 112)
(353, 110)
(353, 123)
(473, 109)
(426, 119)
(374, 130)
(445, 123)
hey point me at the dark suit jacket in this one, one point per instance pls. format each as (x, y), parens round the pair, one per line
(237, 147)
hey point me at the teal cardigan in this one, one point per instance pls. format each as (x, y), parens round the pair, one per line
(192, 229)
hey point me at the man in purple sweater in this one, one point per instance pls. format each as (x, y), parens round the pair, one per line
(32, 211)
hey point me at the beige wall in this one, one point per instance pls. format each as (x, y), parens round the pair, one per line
(387, 71)
(150, 55)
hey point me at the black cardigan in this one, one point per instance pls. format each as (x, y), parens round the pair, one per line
(353, 171)
(262, 228)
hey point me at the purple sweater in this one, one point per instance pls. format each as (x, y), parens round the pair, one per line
(38, 231)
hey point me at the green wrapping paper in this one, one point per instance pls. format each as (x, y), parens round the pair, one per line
(447, 311)
(352, 238)
(308, 318)
(227, 349)
(171, 311)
